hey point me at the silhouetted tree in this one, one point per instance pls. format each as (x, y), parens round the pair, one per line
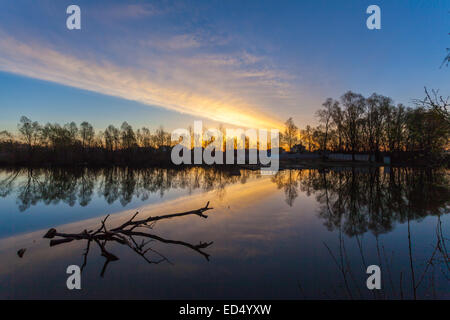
(325, 117)
(29, 131)
(112, 138)
(87, 134)
(353, 110)
(290, 135)
(161, 138)
(127, 135)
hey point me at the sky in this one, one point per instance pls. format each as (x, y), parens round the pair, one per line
(251, 63)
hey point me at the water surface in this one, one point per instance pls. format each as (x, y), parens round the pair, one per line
(300, 234)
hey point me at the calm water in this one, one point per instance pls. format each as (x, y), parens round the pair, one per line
(298, 235)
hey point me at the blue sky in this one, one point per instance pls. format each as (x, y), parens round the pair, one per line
(245, 63)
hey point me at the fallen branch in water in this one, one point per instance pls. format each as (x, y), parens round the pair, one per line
(126, 234)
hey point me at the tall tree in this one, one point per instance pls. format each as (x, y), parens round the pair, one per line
(29, 131)
(112, 138)
(160, 137)
(87, 134)
(376, 110)
(127, 135)
(307, 134)
(338, 121)
(325, 116)
(353, 110)
(290, 135)
(394, 128)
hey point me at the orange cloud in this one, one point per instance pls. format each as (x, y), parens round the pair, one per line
(191, 89)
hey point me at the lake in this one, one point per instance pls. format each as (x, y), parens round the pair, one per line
(300, 234)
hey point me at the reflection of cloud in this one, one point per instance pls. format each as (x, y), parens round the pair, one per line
(238, 195)
(214, 86)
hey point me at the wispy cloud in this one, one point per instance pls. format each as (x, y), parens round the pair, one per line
(219, 87)
(176, 42)
(123, 11)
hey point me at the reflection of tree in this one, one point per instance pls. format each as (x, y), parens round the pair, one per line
(362, 199)
(356, 200)
(288, 180)
(130, 234)
(7, 184)
(51, 186)
(353, 201)
(86, 188)
(422, 280)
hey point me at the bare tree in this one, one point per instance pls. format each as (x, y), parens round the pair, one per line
(338, 121)
(29, 131)
(325, 116)
(353, 110)
(86, 134)
(307, 134)
(376, 109)
(290, 135)
(160, 137)
(128, 136)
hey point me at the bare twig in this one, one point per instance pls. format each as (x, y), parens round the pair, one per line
(125, 234)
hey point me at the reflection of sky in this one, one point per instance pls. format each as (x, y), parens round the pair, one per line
(13, 221)
(22, 211)
(263, 248)
(236, 62)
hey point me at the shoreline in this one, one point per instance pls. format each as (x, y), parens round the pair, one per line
(314, 164)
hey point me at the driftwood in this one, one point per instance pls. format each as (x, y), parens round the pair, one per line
(127, 234)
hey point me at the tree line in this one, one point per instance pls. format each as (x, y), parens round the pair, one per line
(375, 124)
(68, 144)
(351, 124)
(32, 134)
